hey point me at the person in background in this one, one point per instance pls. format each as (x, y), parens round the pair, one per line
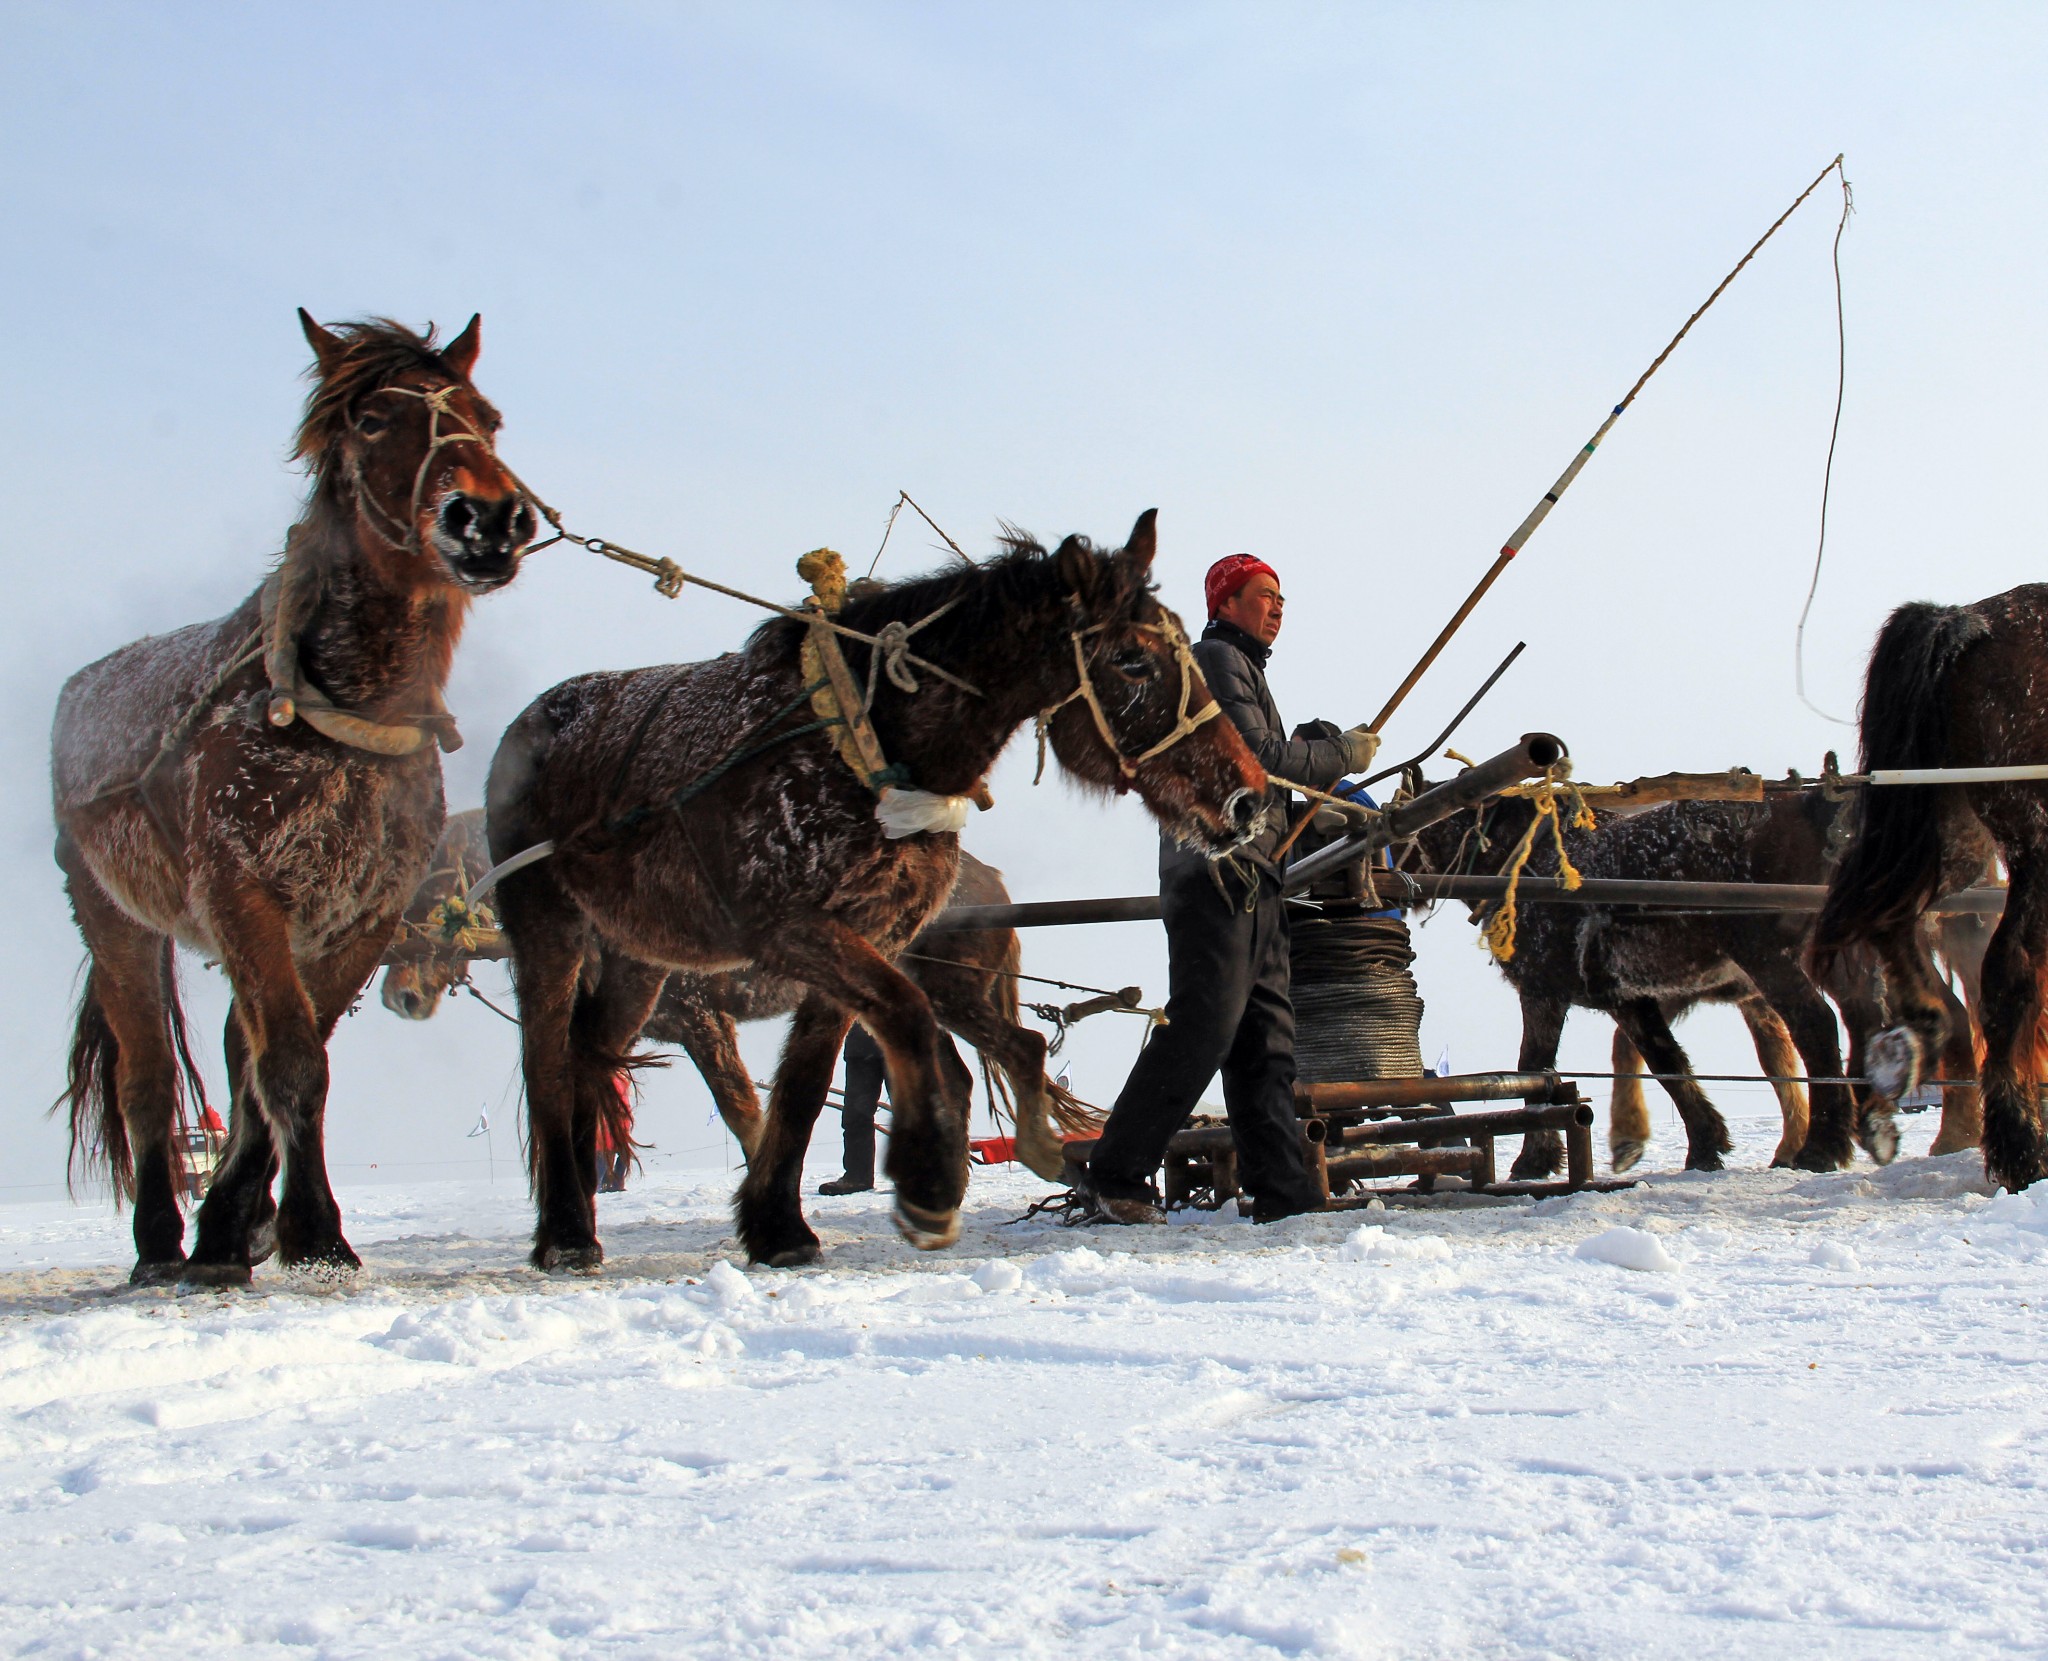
(865, 1078)
(1226, 945)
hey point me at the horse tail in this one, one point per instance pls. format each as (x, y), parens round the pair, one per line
(92, 1093)
(1892, 870)
(92, 1088)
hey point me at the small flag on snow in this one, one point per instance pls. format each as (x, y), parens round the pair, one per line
(483, 1125)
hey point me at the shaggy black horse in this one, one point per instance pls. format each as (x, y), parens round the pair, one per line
(1644, 967)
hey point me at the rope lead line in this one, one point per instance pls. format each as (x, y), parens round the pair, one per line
(1827, 477)
(1541, 510)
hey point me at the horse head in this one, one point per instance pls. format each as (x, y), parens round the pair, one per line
(397, 430)
(414, 990)
(1140, 717)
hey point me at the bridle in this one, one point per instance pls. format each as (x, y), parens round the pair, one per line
(436, 400)
(1084, 689)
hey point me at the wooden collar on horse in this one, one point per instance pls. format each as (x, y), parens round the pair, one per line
(289, 597)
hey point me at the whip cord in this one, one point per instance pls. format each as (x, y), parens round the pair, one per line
(1828, 475)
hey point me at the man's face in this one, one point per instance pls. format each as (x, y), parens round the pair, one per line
(1256, 608)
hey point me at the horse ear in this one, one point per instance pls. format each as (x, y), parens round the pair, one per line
(326, 344)
(1079, 566)
(1144, 540)
(460, 353)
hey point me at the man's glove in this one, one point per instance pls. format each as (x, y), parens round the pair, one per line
(1360, 746)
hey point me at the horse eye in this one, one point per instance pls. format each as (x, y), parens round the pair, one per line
(1135, 665)
(371, 426)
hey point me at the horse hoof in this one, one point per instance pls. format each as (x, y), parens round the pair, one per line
(928, 1231)
(221, 1275)
(571, 1260)
(1880, 1138)
(1628, 1155)
(1893, 1062)
(263, 1241)
(1820, 1157)
(1707, 1160)
(165, 1273)
(794, 1257)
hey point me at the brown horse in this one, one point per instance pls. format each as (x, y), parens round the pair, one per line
(1957, 686)
(698, 823)
(200, 798)
(970, 976)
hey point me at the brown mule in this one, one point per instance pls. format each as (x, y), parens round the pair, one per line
(266, 790)
(700, 822)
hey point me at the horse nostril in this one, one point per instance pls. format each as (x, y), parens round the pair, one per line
(522, 525)
(458, 516)
(1243, 810)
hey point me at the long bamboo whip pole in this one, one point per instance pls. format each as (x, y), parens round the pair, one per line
(1541, 510)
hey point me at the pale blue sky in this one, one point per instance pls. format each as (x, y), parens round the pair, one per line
(1345, 286)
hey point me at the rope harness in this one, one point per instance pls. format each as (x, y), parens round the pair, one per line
(1084, 689)
(1498, 931)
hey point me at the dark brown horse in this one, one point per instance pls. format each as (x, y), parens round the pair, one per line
(782, 862)
(1957, 686)
(1643, 967)
(201, 800)
(970, 976)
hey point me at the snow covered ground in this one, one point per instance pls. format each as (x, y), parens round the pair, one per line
(1755, 1414)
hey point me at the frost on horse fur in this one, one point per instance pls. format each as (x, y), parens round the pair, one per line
(186, 814)
(784, 866)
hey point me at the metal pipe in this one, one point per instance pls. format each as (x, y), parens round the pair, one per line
(1403, 1162)
(1419, 1092)
(1513, 1121)
(1537, 753)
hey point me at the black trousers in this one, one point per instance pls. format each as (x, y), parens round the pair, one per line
(1227, 1008)
(865, 1077)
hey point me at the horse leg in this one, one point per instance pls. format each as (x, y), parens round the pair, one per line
(286, 1018)
(1020, 1053)
(250, 1147)
(547, 968)
(1543, 1020)
(125, 1049)
(1962, 1104)
(2014, 1155)
(711, 1041)
(1810, 1021)
(769, 1206)
(1706, 1132)
(606, 1018)
(1628, 1111)
(930, 1093)
(1779, 1059)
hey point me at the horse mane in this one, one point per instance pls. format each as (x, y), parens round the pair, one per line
(375, 351)
(986, 596)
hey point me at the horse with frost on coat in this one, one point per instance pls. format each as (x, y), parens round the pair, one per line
(700, 822)
(265, 789)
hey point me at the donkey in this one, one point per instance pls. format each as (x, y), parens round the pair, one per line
(265, 789)
(1956, 686)
(784, 863)
(970, 976)
(1641, 967)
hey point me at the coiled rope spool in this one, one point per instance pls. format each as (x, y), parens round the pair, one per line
(1357, 1011)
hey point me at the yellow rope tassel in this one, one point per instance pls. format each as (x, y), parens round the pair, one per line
(1498, 932)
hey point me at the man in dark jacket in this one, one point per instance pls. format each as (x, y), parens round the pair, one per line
(1226, 945)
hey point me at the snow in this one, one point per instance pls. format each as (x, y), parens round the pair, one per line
(1814, 1429)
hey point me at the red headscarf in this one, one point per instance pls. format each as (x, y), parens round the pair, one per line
(1227, 576)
